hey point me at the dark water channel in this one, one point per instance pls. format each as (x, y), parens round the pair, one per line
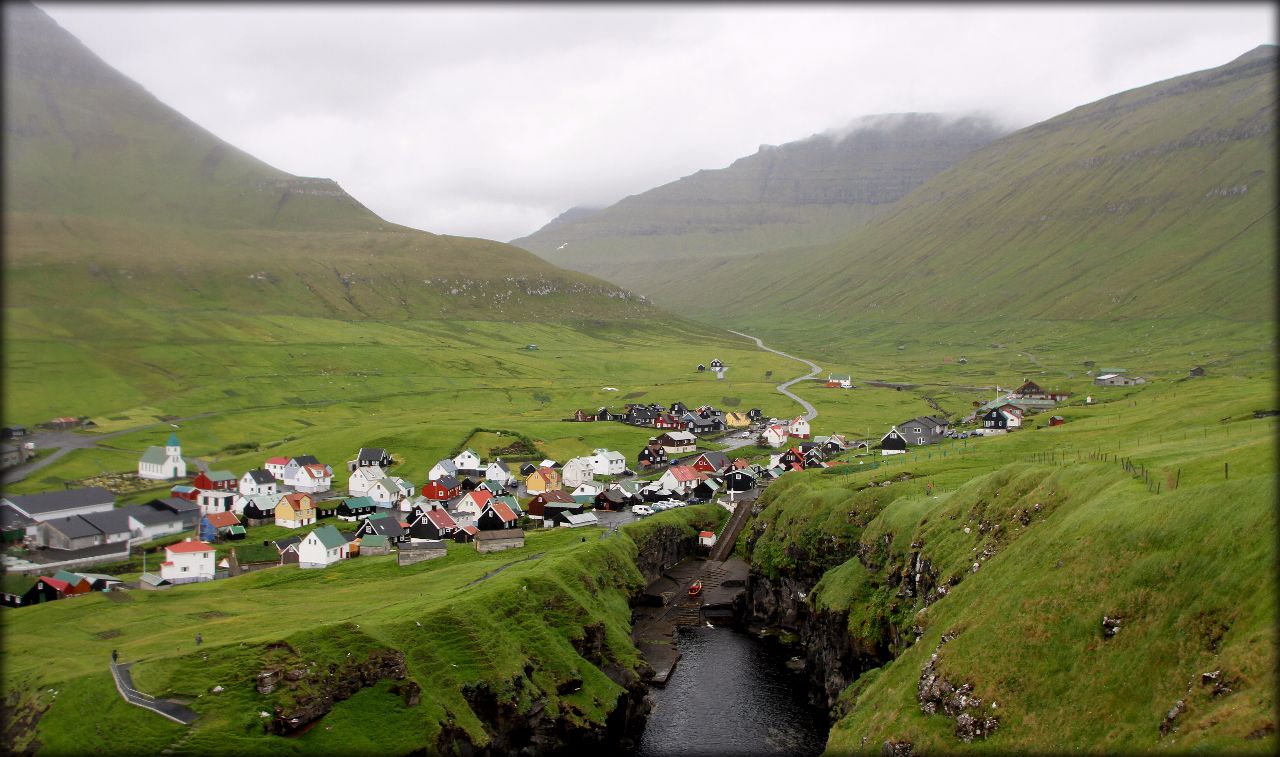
(732, 694)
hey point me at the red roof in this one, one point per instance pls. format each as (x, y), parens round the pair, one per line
(471, 530)
(481, 497)
(502, 511)
(441, 518)
(223, 520)
(277, 461)
(62, 586)
(705, 534)
(318, 471)
(295, 497)
(685, 473)
(189, 546)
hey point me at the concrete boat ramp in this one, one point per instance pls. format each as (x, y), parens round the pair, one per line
(666, 605)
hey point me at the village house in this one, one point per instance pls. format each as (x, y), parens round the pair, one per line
(652, 456)
(296, 510)
(739, 480)
(275, 466)
(707, 539)
(1004, 417)
(798, 428)
(213, 501)
(1032, 391)
(924, 429)
(163, 463)
(536, 507)
(258, 481)
(839, 381)
(472, 503)
(667, 421)
(543, 479)
(390, 490)
(256, 509)
(442, 469)
(680, 479)
(183, 491)
(370, 546)
(323, 546)
(442, 489)
(187, 562)
(384, 525)
(696, 424)
(1118, 379)
(61, 504)
(893, 443)
(774, 436)
(736, 420)
(577, 471)
(498, 540)
(215, 480)
(433, 522)
(362, 478)
(582, 416)
(606, 462)
(220, 525)
(312, 478)
(370, 457)
(467, 461)
(495, 515)
(678, 442)
(17, 590)
(498, 472)
(578, 520)
(353, 508)
(709, 462)
(587, 491)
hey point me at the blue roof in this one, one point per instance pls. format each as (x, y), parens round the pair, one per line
(173, 440)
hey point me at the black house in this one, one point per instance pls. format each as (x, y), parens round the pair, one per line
(652, 456)
(754, 414)
(369, 457)
(388, 527)
(893, 441)
(995, 419)
(739, 481)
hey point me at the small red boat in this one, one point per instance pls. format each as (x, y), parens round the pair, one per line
(696, 588)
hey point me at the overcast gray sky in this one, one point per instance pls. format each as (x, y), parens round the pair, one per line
(489, 120)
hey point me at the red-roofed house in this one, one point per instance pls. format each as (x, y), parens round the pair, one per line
(313, 478)
(465, 534)
(681, 478)
(495, 515)
(707, 538)
(62, 587)
(276, 465)
(187, 562)
(433, 523)
(473, 502)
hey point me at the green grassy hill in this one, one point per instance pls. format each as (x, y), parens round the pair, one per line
(1061, 534)
(118, 198)
(808, 191)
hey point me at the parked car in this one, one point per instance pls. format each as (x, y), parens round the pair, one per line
(641, 511)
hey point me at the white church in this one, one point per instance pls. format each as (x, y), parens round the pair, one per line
(163, 463)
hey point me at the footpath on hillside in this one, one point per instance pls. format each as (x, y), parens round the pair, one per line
(172, 710)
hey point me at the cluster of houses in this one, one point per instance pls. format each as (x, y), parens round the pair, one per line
(705, 419)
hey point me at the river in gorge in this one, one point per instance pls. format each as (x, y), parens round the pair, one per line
(732, 693)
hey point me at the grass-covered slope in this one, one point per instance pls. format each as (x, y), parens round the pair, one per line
(111, 196)
(1153, 203)
(486, 650)
(1177, 546)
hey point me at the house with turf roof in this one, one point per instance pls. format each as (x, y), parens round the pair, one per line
(18, 590)
(258, 481)
(163, 463)
(353, 508)
(187, 562)
(323, 546)
(215, 480)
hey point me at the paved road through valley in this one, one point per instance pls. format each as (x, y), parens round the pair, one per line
(810, 412)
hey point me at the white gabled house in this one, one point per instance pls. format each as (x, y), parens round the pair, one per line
(577, 471)
(608, 462)
(323, 546)
(315, 477)
(498, 472)
(259, 481)
(187, 562)
(214, 501)
(774, 436)
(275, 466)
(799, 428)
(587, 489)
(364, 477)
(442, 469)
(467, 460)
(390, 490)
(680, 478)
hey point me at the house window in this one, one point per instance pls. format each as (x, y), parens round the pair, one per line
(184, 569)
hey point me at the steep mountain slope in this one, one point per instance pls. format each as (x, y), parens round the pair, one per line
(1156, 202)
(813, 190)
(113, 194)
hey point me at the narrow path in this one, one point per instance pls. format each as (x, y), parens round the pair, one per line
(172, 710)
(810, 411)
(724, 545)
(498, 570)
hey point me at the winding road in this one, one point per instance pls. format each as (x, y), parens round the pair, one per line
(810, 412)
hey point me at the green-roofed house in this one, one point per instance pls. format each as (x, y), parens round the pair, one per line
(76, 583)
(163, 463)
(323, 546)
(374, 544)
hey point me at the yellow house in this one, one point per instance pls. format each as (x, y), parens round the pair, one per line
(737, 420)
(542, 480)
(295, 511)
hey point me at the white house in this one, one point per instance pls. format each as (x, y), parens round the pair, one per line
(442, 469)
(473, 503)
(587, 489)
(163, 463)
(680, 478)
(187, 562)
(798, 427)
(467, 460)
(498, 472)
(275, 466)
(608, 462)
(259, 481)
(774, 436)
(577, 471)
(323, 546)
(313, 478)
(390, 490)
(841, 380)
(362, 478)
(214, 501)
(707, 538)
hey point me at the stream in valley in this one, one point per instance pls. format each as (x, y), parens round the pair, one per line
(732, 693)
